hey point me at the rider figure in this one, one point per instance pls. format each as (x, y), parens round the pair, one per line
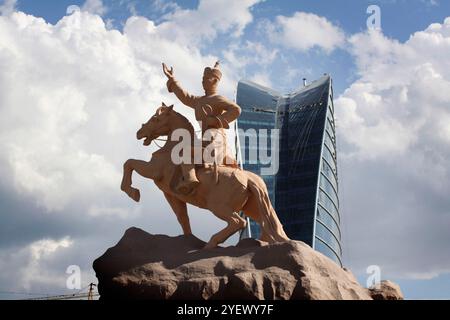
(212, 110)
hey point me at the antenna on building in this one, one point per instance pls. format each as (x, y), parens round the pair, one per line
(304, 82)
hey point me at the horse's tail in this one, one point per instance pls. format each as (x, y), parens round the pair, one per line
(270, 223)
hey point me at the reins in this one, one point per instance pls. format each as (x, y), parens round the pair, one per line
(221, 132)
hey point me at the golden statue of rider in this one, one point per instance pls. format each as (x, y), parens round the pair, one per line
(214, 112)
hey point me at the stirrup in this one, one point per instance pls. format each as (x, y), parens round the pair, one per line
(188, 189)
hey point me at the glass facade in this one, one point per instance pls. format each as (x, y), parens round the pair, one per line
(304, 191)
(259, 107)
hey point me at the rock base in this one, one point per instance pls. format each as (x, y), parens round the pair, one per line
(145, 266)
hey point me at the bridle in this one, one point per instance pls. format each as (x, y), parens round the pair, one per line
(158, 139)
(198, 131)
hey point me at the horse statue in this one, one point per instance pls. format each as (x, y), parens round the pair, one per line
(223, 190)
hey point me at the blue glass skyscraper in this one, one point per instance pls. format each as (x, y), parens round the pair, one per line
(259, 106)
(304, 191)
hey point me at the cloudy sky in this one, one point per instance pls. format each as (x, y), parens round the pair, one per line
(77, 78)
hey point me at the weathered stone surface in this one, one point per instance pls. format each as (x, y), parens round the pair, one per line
(145, 266)
(387, 290)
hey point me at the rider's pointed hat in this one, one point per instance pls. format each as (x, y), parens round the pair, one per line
(215, 72)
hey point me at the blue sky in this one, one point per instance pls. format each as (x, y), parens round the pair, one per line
(400, 17)
(91, 76)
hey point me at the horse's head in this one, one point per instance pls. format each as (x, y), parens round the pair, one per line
(158, 125)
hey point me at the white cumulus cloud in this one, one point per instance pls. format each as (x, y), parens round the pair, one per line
(7, 7)
(304, 31)
(28, 264)
(212, 17)
(393, 125)
(95, 7)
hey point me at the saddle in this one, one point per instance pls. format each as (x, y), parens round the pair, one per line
(184, 177)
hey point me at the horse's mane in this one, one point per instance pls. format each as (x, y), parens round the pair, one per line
(184, 119)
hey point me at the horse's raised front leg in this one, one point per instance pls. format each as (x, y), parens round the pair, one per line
(180, 209)
(141, 167)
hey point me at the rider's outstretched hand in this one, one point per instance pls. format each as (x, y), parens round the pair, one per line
(168, 72)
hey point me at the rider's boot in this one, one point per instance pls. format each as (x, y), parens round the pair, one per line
(189, 181)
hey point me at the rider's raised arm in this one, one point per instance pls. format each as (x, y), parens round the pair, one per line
(184, 96)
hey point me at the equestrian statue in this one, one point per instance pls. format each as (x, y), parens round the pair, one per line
(216, 182)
